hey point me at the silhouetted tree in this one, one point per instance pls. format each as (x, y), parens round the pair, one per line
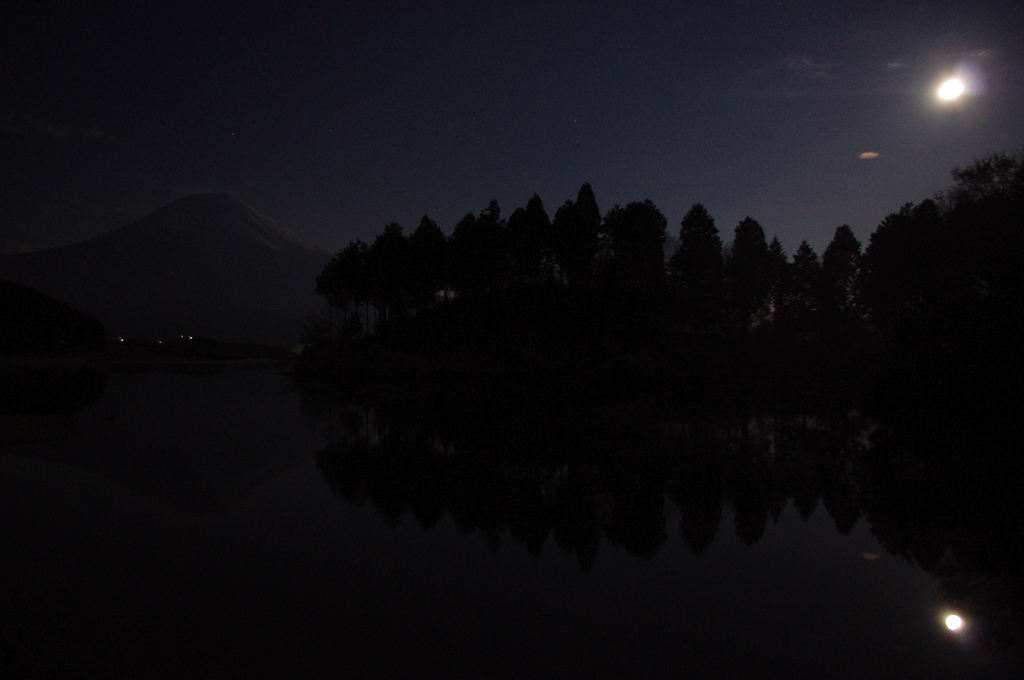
(803, 289)
(982, 253)
(530, 242)
(945, 281)
(576, 229)
(427, 254)
(778, 278)
(479, 253)
(463, 263)
(899, 256)
(635, 241)
(343, 281)
(696, 268)
(840, 272)
(747, 272)
(998, 176)
(387, 270)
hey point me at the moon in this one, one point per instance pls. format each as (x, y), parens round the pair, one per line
(951, 89)
(954, 622)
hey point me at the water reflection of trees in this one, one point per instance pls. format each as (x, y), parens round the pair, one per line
(546, 469)
(946, 496)
(534, 470)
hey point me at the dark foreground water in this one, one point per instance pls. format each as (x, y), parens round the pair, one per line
(225, 525)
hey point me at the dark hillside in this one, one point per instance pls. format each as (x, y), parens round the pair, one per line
(35, 324)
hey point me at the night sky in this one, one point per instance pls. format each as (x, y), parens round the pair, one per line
(335, 122)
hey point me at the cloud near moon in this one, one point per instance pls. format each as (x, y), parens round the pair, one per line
(868, 155)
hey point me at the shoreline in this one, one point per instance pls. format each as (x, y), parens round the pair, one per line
(114, 360)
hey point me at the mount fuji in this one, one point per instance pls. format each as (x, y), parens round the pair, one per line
(206, 265)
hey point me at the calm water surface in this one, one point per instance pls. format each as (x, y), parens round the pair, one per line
(224, 524)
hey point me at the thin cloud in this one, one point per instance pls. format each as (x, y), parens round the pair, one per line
(795, 75)
(868, 155)
(27, 124)
(807, 69)
(790, 70)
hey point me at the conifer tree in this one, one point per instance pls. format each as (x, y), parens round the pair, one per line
(576, 230)
(695, 268)
(427, 278)
(778, 278)
(840, 270)
(804, 289)
(343, 281)
(479, 253)
(747, 272)
(529, 233)
(636, 244)
(387, 271)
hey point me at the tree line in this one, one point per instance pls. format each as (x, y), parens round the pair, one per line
(948, 266)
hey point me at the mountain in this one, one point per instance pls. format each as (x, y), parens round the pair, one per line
(207, 265)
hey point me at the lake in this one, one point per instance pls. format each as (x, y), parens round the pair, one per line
(221, 522)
